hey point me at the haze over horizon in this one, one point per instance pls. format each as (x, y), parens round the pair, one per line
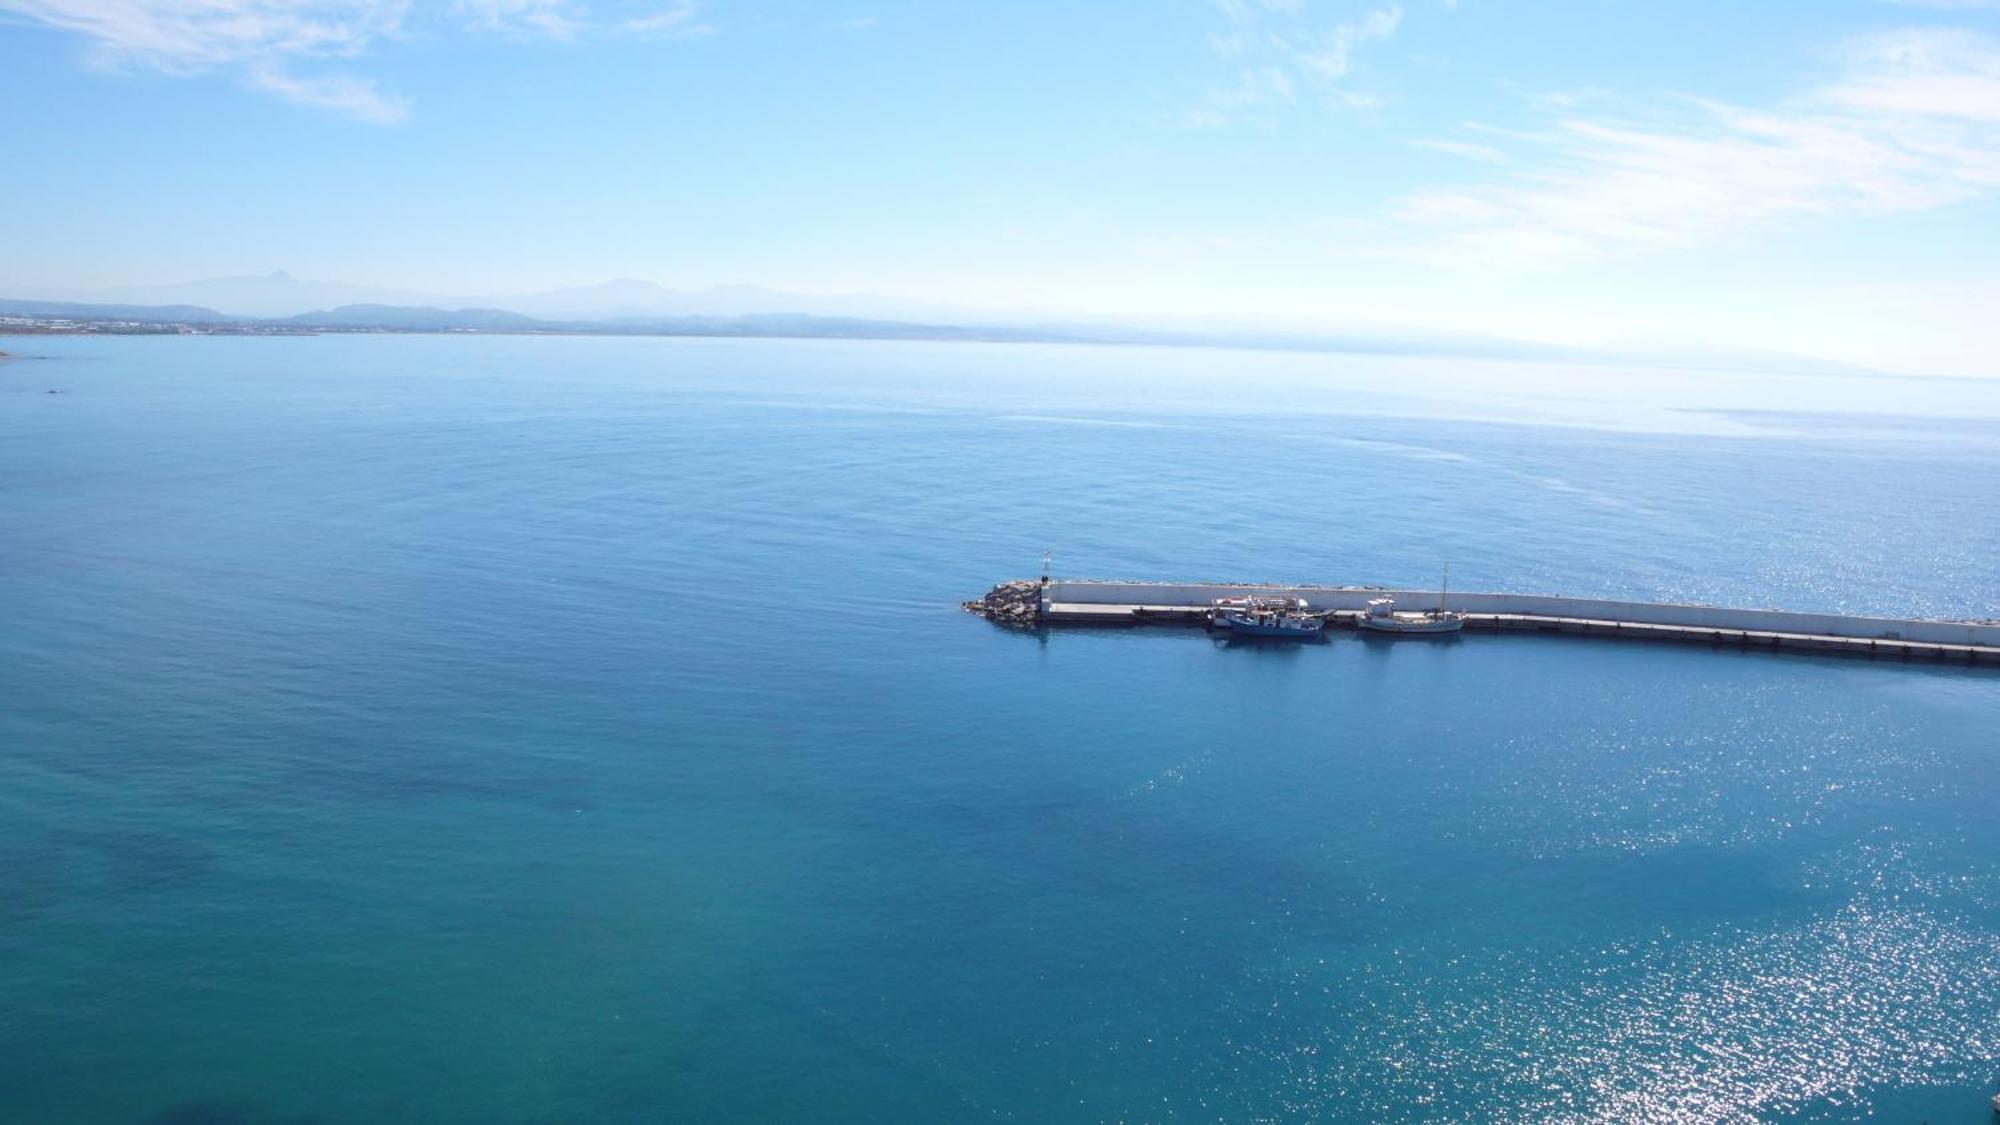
(1816, 180)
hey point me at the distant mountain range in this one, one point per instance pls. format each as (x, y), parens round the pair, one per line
(399, 318)
(73, 310)
(408, 318)
(280, 302)
(273, 295)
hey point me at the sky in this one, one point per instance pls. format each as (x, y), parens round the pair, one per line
(1816, 177)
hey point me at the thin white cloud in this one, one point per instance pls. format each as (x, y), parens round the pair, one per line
(676, 20)
(282, 47)
(571, 19)
(355, 97)
(1330, 55)
(190, 36)
(1280, 55)
(1244, 11)
(1931, 73)
(1467, 149)
(1912, 123)
(263, 41)
(555, 19)
(1255, 86)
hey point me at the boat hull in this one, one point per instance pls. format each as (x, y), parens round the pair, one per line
(1244, 627)
(1419, 625)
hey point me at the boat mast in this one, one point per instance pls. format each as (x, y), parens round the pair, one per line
(1444, 586)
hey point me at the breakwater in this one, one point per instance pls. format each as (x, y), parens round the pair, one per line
(1030, 604)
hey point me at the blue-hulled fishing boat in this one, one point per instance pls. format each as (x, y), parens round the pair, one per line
(1266, 616)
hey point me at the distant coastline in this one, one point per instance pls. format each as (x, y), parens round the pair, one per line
(61, 318)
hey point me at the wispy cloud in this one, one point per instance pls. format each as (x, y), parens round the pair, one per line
(677, 20)
(1281, 55)
(1930, 73)
(263, 41)
(284, 47)
(1911, 122)
(571, 19)
(1466, 149)
(1330, 54)
(342, 93)
(555, 19)
(187, 36)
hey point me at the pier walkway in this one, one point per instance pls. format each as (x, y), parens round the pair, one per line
(1072, 602)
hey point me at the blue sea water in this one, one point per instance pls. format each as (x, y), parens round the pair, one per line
(552, 730)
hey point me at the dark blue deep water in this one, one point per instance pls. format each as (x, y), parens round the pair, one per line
(559, 730)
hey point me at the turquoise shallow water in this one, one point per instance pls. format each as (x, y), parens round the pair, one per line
(539, 730)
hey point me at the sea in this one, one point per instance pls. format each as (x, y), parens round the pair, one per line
(540, 730)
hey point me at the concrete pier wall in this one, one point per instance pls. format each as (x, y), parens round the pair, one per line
(1196, 595)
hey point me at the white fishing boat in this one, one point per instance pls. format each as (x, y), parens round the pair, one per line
(1265, 616)
(1382, 616)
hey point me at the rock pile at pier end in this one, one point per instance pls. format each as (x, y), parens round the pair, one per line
(1010, 605)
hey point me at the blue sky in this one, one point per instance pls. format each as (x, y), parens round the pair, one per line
(1818, 177)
